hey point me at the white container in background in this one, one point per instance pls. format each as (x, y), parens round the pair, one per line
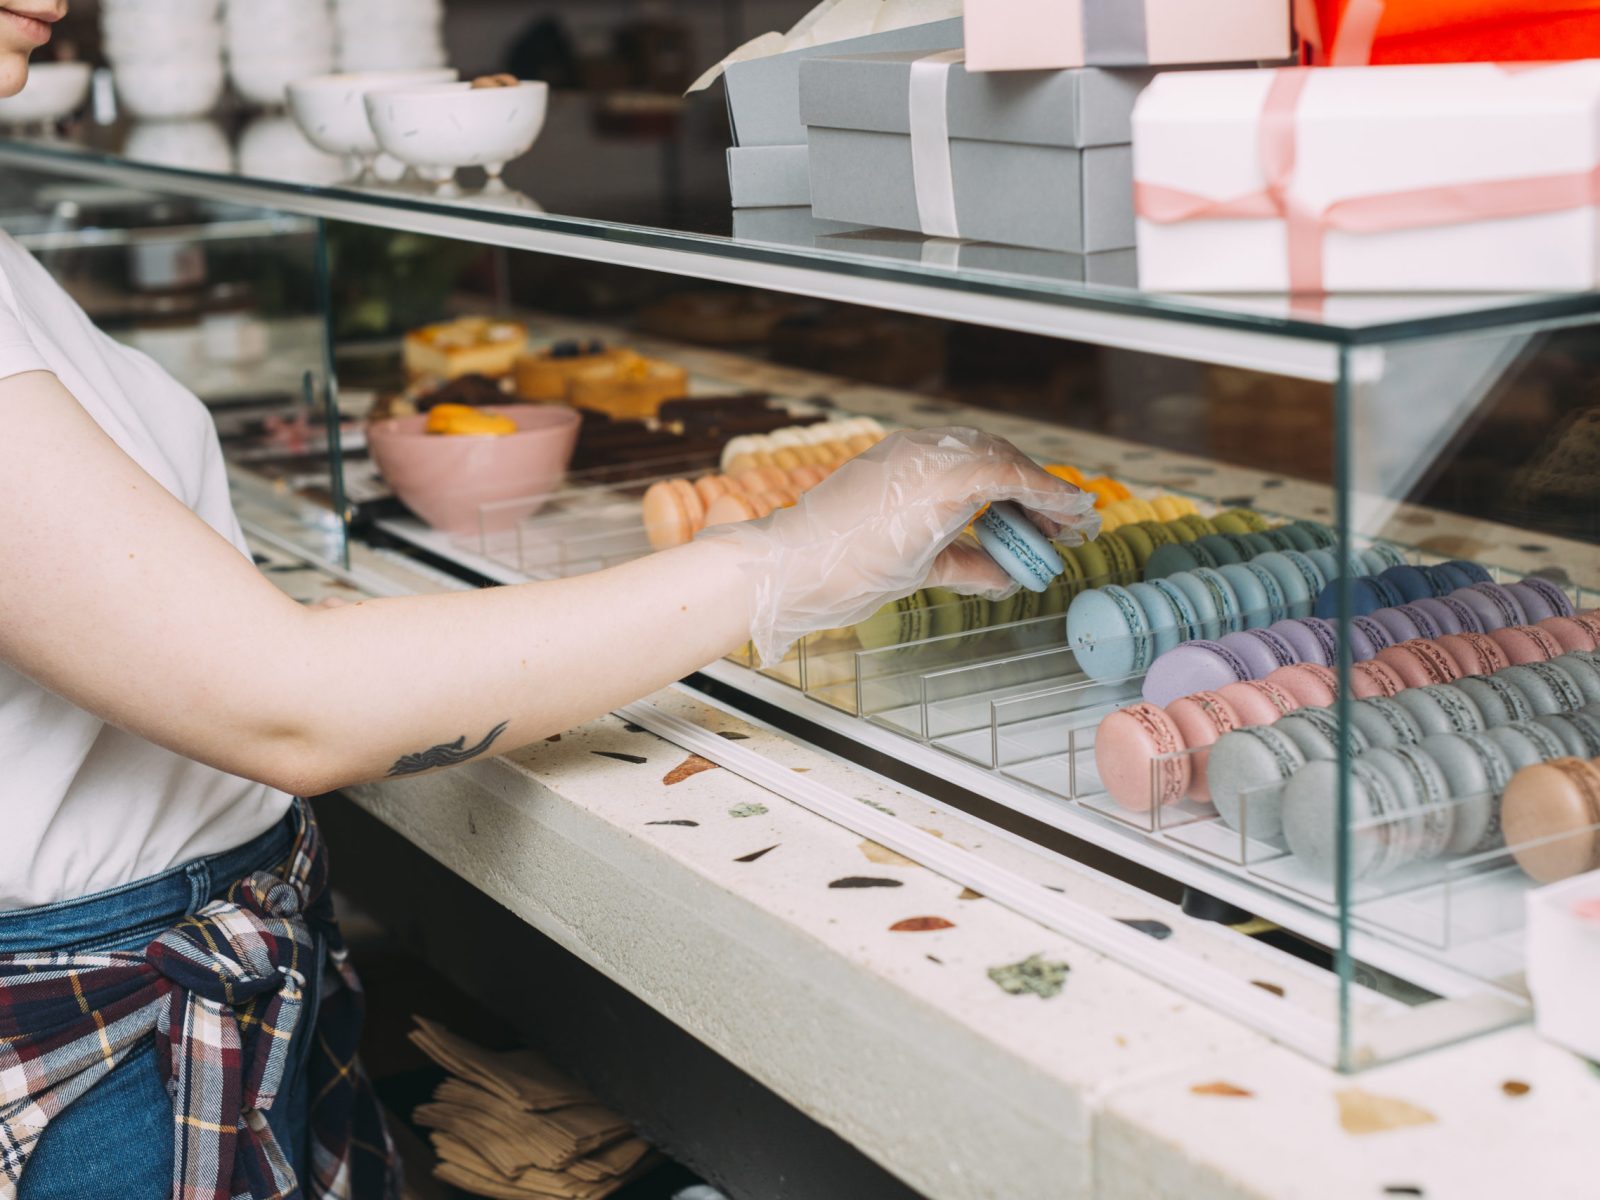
(1563, 948)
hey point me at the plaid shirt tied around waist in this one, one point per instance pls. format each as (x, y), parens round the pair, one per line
(222, 992)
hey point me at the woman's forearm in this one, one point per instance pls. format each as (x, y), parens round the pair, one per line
(391, 687)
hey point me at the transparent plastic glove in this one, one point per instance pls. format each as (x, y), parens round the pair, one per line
(885, 524)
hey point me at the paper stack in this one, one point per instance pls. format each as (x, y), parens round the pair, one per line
(508, 1124)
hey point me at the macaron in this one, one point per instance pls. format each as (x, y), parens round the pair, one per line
(1298, 536)
(1223, 550)
(1373, 678)
(1204, 600)
(1309, 809)
(1473, 571)
(1578, 732)
(1261, 650)
(729, 508)
(1130, 749)
(1231, 521)
(1063, 587)
(1297, 575)
(1525, 643)
(1166, 561)
(1202, 718)
(1545, 742)
(1279, 539)
(1553, 596)
(896, 623)
(1441, 708)
(1322, 535)
(1590, 621)
(1257, 701)
(1549, 688)
(1368, 594)
(1409, 581)
(1015, 543)
(1327, 563)
(1428, 820)
(1451, 573)
(1258, 544)
(1468, 620)
(1124, 568)
(1263, 602)
(1171, 617)
(1197, 666)
(1384, 722)
(1583, 670)
(1568, 633)
(949, 612)
(1476, 770)
(1387, 554)
(1313, 639)
(1420, 663)
(1109, 633)
(1549, 812)
(1246, 772)
(1137, 539)
(1488, 613)
(1397, 624)
(1474, 653)
(709, 487)
(1230, 608)
(1316, 732)
(1499, 700)
(672, 511)
(1507, 606)
(1092, 561)
(1367, 637)
(1309, 684)
(1168, 508)
(1197, 525)
(1433, 616)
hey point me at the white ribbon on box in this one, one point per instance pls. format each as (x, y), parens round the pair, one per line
(929, 113)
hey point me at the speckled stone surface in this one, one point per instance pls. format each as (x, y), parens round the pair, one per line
(971, 1051)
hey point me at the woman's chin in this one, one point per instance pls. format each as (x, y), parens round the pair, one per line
(13, 73)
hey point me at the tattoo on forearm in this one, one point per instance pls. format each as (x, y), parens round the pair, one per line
(446, 754)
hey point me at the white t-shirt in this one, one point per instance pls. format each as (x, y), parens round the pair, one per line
(85, 806)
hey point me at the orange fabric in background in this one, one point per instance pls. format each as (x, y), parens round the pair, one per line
(1426, 31)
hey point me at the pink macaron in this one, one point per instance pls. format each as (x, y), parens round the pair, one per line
(1201, 719)
(1474, 653)
(1126, 747)
(1311, 685)
(1258, 701)
(1420, 662)
(1526, 644)
(1373, 678)
(1570, 634)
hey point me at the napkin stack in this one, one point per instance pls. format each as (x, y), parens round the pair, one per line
(508, 1124)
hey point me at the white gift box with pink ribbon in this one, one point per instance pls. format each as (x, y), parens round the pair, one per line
(1024, 35)
(1437, 178)
(1563, 944)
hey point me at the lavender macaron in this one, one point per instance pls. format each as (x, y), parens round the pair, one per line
(1198, 666)
(1313, 639)
(1540, 598)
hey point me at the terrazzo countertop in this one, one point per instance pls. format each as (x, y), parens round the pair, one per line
(971, 1051)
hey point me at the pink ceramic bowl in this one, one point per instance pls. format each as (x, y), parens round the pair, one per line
(447, 479)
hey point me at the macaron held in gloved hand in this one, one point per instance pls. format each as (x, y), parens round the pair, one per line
(887, 523)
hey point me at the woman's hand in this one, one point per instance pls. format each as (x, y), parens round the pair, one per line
(885, 524)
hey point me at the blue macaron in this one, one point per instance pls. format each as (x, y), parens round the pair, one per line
(1411, 582)
(1109, 633)
(1016, 544)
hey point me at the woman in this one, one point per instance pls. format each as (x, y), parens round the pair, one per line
(166, 944)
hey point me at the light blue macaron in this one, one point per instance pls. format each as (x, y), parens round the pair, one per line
(1109, 633)
(1172, 618)
(1016, 544)
(1260, 594)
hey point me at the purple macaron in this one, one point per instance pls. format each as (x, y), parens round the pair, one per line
(1449, 614)
(1261, 650)
(1540, 599)
(1198, 666)
(1367, 637)
(1422, 618)
(1397, 624)
(1313, 639)
(1508, 609)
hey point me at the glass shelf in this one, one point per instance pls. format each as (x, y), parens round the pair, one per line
(786, 250)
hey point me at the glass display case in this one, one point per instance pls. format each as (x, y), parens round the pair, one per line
(1320, 512)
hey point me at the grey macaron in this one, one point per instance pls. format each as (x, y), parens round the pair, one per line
(1246, 772)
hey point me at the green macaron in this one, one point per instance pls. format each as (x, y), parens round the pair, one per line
(896, 623)
(1124, 567)
(1138, 541)
(1096, 567)
(950, 612)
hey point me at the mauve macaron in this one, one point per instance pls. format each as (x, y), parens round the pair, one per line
(1398, 624)
(1465, 618)
(1311, 684)
(1505, 600)
(1313, 639)
(1409, 581)
(1367, 637)
(1261, 649)
(1258, 702)
(1373, 678)
(1125, 749)
(1526, 643)
(1440, 615)
(1201, 719)
(1550, 596)
(1490, 613)
(1474, 653)
(1570, 634)
(1198, 666)
(1420, 662)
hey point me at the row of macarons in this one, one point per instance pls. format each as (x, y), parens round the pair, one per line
(824, 444)
(674, 510)
(1254, 753)
(1389, 647)
(1225, 547)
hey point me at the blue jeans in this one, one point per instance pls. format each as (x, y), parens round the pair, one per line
(117, 1139)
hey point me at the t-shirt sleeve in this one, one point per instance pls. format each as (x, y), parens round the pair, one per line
(17, 352)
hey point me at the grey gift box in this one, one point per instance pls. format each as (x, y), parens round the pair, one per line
(1108, 268)
(768, 176)
(1038, 158)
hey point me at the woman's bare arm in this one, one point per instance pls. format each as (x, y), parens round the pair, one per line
(118, 598)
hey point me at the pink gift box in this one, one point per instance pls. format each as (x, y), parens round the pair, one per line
(1029, 35)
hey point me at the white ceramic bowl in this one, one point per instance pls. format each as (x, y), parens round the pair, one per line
(189, 145)
(164, 90)
(274, 148)
(53, 91)
(438, 128)
(263, 81)
(330, 111)
(170, 14)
